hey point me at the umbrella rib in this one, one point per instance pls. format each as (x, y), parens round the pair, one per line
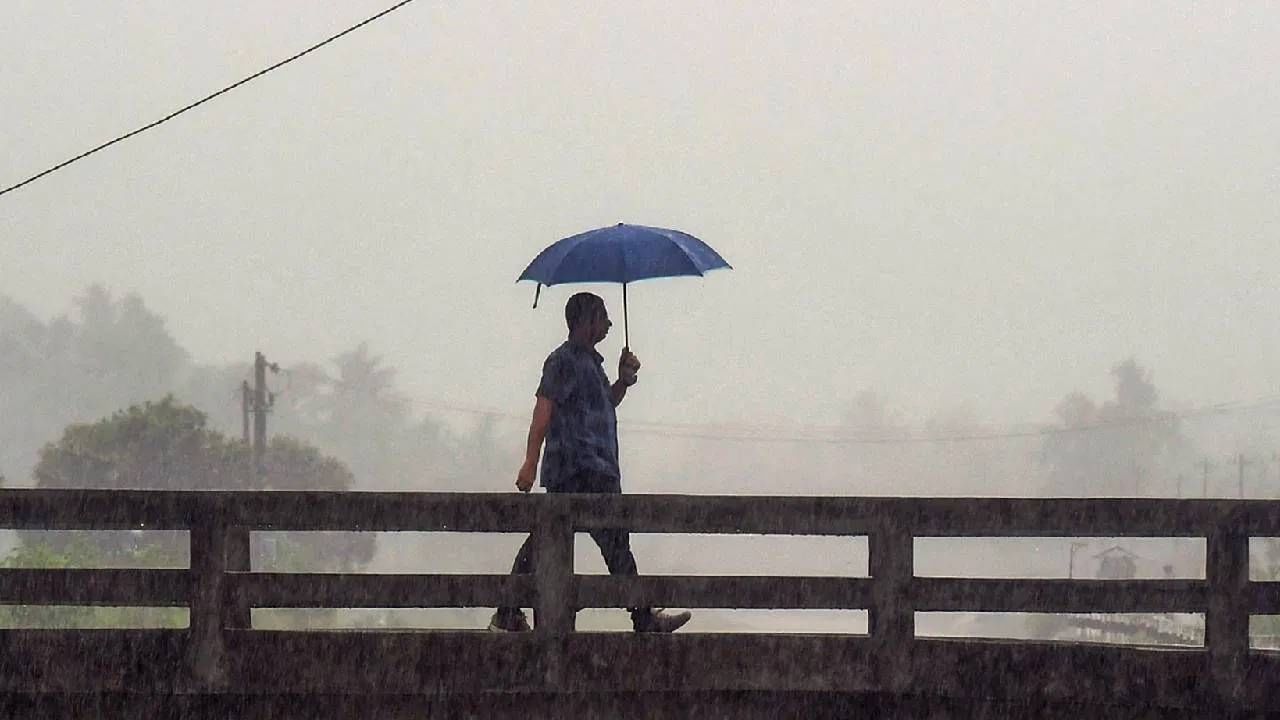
(573, 243)
(673, 236)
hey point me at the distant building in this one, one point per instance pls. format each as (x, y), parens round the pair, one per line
(1116, 563)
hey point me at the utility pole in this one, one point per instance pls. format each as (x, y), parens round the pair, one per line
(1071, 559)
(260, 407)
(1204, 477)
(246, 403)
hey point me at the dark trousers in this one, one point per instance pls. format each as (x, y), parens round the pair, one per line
(614, 544)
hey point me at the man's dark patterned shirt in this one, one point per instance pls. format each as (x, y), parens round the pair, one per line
(583, 436)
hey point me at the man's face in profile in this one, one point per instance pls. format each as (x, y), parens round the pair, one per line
(599, 324)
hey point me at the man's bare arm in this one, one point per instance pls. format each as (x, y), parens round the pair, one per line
(628, 366)
(617, 391)
(542, 412)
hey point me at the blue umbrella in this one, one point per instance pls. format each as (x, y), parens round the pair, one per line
(621, 254)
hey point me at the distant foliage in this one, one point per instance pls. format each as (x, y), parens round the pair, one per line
(153, 446)
(1126, 446)
(80, 552)
(114, 352)
(108, 354)
(167, 445)
(336, 425)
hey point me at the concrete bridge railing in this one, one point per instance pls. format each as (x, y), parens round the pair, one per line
(220, 589)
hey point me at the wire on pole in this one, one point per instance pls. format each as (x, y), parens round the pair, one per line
(202, 100)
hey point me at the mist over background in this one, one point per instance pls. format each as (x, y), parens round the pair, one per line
(977, 251)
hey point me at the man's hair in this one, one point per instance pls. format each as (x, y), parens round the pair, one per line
(580, 308)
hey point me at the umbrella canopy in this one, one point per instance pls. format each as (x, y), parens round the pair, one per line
(622, 254)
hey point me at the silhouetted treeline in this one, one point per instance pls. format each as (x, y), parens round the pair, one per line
(113, 352)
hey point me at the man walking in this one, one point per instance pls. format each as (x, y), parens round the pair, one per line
(575, 416)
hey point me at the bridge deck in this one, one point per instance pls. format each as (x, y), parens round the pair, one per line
(388, 667)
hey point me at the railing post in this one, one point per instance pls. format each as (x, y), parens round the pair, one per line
(206, 646)
(1227, 619)
(238, 614)
(554, 613)
(892, 614)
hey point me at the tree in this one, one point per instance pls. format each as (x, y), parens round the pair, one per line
(364, 417)
(351, 409)
(110, 354)
(166, 445)
(1125, 446)
(154, 446)
(357, 413)
(25, 404)
(125, 346)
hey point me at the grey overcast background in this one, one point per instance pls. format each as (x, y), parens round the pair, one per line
(971, 210)
(981, 204)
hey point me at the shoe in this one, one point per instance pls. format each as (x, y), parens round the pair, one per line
(660, 621)
(509, 622)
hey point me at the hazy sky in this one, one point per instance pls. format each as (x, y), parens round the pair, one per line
(947, 202)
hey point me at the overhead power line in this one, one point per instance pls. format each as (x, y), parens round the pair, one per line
(830, 435)
(204, 99)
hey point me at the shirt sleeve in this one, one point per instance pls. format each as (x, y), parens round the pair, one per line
(557, 379)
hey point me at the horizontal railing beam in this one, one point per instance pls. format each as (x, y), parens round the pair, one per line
(110, 586)
(719, 514)
(65, 509)
(1076, 517)
(924, 517)
(1058, 596)
(353, 590)
(510, 512)
(384, 512)
(744, 592)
